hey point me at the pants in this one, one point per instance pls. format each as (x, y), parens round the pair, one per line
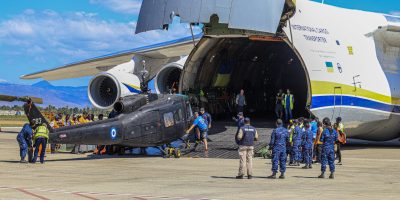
(288, 113)
(23, 149)
(328, 157)
(240, 108)
(308, 156)
(279, 111)
(38, 142)
(246, 160)
(296, 153)
(319, 153)
(338, 152)
(289, 150)
(279, 155)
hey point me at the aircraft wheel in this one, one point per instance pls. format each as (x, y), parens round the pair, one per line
(177, 153)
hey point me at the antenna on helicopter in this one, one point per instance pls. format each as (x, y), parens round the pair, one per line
(144, 79)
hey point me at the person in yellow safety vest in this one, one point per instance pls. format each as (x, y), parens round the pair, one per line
(288, 102)
(318, 143)
(339, 127)
(41, 136)
(83, 119)
(289, 146)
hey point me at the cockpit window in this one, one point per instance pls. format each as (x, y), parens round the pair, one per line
(168, 119)
(178, 116)
(189, 112)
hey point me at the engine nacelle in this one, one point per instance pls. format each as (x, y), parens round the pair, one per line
(106, 88)
(169, 76)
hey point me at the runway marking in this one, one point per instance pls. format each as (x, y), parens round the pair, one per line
(86, 194)
(31, 194)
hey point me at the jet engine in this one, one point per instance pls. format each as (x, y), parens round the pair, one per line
(168, 77)
(107, 87)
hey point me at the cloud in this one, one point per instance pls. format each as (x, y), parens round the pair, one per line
(3, 81)
(59, 38)
(120, 6)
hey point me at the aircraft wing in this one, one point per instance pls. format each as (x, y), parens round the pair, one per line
(157, 54)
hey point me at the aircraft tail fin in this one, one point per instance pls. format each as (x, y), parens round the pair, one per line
(35, 116)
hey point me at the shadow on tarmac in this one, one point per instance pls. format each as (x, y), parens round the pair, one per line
(310, 177)
(233, 177)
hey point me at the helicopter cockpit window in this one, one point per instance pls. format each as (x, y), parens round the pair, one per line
(178, 116)
(168, 119)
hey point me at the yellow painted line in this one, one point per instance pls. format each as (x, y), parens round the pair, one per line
(325, 87)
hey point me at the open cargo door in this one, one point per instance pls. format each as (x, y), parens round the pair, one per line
(220, 17)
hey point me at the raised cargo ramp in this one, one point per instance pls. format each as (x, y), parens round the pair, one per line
(221, 140)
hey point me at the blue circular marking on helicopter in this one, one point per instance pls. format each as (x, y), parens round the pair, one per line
(113, 133)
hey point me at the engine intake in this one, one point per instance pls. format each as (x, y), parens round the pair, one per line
(168, 78)
(104, 90)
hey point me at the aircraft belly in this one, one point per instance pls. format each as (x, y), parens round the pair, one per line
(362, 123)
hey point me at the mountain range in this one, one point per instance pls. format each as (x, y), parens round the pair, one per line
(58, 96)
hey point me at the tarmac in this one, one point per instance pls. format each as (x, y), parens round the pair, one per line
(370, 171)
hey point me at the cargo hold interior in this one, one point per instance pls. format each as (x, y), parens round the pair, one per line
(220, 67)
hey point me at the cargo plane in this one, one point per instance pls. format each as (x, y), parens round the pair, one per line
(336, 61)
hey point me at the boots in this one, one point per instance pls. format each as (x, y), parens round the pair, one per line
(310, 166)
(282, 176)
(332, 176)
(239, 177)
(322, 175)
(305, 167)
(273, 176)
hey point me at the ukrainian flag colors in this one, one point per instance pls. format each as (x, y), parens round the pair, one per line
(329, 67)
(132, 88)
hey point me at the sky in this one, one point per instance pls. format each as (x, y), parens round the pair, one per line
(37, 35)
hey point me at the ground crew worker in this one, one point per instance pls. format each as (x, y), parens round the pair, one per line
(339, 127)
(41, 136)
(289, 146)
(288, 103)
(240, 101)
(206, 116)
(297, 140)
(308, 145)
(203, 128)
(24, 139)
(246, 137)
(329, 137)
(318, 143)
(278, 104)
(279, 139)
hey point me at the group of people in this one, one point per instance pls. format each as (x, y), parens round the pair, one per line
(33, 136)
(305, 141)
(59, 121)
(36, 136)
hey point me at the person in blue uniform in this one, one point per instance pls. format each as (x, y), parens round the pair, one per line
(279, 139)
(206, 116)
(239, 123)
(24, 139)
(200, 123)
(297, 141)
(307, 145)
(329, 137)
